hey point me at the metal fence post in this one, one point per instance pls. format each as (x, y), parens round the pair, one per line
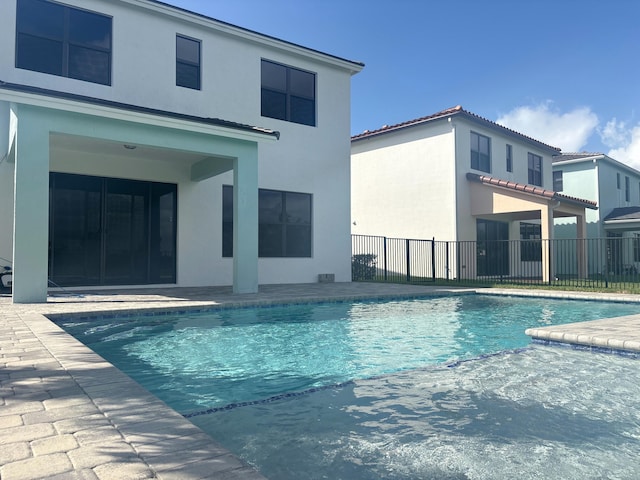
(384, 257)
(408, 261)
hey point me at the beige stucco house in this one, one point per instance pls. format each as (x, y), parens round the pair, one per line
(455, 176)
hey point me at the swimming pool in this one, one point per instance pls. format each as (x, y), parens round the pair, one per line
(384, 403)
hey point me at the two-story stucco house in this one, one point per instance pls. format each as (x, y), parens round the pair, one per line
(455, 176)
(615, 187)
(143, 144)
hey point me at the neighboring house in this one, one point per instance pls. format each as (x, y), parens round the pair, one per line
(615, 187)
(143, 144)
(456, 176)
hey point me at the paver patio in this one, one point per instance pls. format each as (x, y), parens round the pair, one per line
(66, 413)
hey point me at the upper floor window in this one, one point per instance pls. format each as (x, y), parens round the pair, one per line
(65, 41)
(535, 169)
(187, 62)
(509, 158)
(627, 189)
(618, 185)
(557, 181)
(284, 223)
(288, 93)
(480, 152)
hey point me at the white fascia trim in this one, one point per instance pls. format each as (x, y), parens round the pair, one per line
(248, 35)
(616, 222)
(595, 159)
(75, 106)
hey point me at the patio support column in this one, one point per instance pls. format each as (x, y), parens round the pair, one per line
(31, 209)
(581, 246)
(245, 222)
(546, 222)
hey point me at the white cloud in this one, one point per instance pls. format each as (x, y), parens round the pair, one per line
(569, 131)
(623, 141)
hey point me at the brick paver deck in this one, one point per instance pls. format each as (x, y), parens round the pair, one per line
(66, 413)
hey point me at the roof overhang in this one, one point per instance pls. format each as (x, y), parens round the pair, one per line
(23, 94)
(248, 35)
(518, 201)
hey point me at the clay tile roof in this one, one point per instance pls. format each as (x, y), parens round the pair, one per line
(532, 189)
(449, 112)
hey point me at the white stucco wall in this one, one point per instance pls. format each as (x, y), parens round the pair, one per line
(466, 227)
(402, 183)
(312, 160)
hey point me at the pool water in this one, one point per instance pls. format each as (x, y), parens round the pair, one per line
(385, 396)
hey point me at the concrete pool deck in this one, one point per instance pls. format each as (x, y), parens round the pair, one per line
(66, 413)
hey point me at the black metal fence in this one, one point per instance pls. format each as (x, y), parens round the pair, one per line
(612, 262)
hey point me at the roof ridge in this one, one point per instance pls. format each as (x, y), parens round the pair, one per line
(441, 114)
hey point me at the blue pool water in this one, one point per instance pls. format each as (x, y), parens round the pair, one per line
(386, 401)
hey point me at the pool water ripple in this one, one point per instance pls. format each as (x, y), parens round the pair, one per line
(445, 388)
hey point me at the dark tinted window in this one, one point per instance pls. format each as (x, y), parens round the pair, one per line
(480, 152)
(187, 62)
(65, 41)
(284, 223)
(535, 169)
(288, 93)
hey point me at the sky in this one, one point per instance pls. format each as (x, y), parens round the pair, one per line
(565, 72)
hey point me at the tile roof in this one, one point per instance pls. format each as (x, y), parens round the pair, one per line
(623, 213)
(356, 65)
(449, 112)
(135, 108)
(531, 189)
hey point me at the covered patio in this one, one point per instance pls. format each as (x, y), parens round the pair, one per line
(511, 202)
(76, 135)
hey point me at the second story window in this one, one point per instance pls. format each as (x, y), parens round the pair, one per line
(627, 189)
(535, 169)
(288, 93)
(509, 158)
(187, 62)
(65, 41)
(557, 181)
(480, 152)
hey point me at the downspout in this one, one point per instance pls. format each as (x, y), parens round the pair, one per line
(454, 212)
(457, 269)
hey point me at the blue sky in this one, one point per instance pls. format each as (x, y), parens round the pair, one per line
(566, 72)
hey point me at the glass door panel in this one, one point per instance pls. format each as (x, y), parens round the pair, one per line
(163, 233)
(107, 231)
(126, 248)
(75, 231)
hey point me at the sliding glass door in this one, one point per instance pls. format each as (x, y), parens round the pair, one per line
(107, 231)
